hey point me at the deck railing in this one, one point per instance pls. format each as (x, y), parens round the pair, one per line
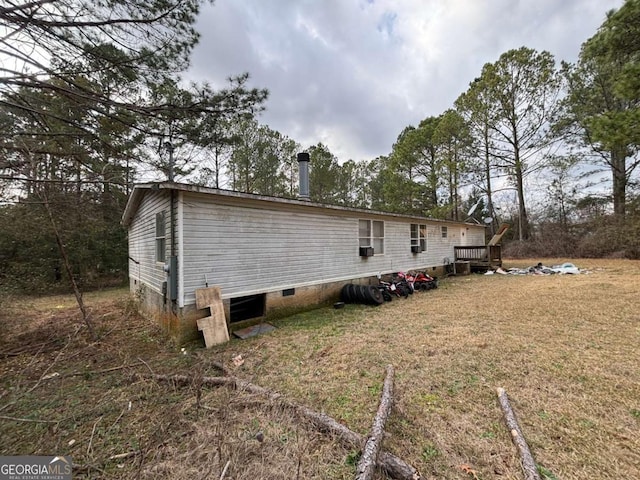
(479, 255)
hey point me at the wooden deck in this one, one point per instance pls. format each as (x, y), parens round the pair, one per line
(481, 257)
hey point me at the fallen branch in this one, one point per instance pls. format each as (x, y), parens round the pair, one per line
(395, 467)
(527, 462)
(224, 470)
(42, 377)
(147, 365)
(100, 372)
(371, 450)
(93, 431)
(30, 420)
(121, 456)
(26, 349)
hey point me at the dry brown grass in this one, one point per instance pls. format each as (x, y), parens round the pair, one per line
(565, 348)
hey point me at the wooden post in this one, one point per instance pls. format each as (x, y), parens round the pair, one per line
(367, 463)
(527, 462)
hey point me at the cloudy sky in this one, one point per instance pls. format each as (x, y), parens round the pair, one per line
(353, 74)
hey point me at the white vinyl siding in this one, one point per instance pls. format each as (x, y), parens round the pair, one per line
(250, 250)
(249, 246)
(142, 241)
(475, 237)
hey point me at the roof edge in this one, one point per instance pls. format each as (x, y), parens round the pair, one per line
(139, 190)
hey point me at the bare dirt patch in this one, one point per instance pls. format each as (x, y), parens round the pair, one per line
(565, 348)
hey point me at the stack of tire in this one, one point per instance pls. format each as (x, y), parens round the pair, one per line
(363, 294)
(426, 284)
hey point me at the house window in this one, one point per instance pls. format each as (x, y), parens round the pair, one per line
(419, 236)
(161, 239)
(444, 232)
(371, 234)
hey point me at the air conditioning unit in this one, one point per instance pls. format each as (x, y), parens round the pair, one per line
(416, 249)
(366, 251)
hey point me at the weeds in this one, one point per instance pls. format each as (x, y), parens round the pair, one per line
(559, 345)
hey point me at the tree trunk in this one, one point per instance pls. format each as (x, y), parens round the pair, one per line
(366, 465)
(67, 265)
(456, 181)
(489, 190)
(618, 169)
(527, 462)
(523, 233)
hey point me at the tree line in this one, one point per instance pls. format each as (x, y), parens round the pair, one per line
(91, 101)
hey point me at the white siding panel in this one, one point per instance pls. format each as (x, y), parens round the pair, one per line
(476, 236)
(249, 250)
(142, 241)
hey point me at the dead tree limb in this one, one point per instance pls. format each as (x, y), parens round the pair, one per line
(527, 462)
(367, 463)
(394, 466)
(86, 317)
(32, 420)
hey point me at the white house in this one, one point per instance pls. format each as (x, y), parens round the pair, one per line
(268, 255)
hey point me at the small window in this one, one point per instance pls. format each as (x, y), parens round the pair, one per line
(371, 234)
(364, 233)
(419, 237)
(161, 239)
(444, 232)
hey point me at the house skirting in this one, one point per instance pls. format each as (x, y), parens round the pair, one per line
(181, 323)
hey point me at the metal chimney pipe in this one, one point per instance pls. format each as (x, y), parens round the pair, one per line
(303, 173)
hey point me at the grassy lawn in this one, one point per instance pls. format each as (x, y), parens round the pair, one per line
(566, 349)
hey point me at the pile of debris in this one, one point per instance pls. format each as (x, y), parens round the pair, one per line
(540, 269)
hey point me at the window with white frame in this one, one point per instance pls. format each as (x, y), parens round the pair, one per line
(444, 231)
(161, 238)
(419, 236)
(371, 234)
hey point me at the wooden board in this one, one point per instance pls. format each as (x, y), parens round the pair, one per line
(207, 296)
(498, 236)
(213, 327)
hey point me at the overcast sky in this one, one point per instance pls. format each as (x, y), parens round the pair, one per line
(353, 74)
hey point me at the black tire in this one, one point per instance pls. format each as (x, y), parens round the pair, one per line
(375, 295)
(387, 296)
(353, 293)
(344, 294)
(367, 295)
(361, 294)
